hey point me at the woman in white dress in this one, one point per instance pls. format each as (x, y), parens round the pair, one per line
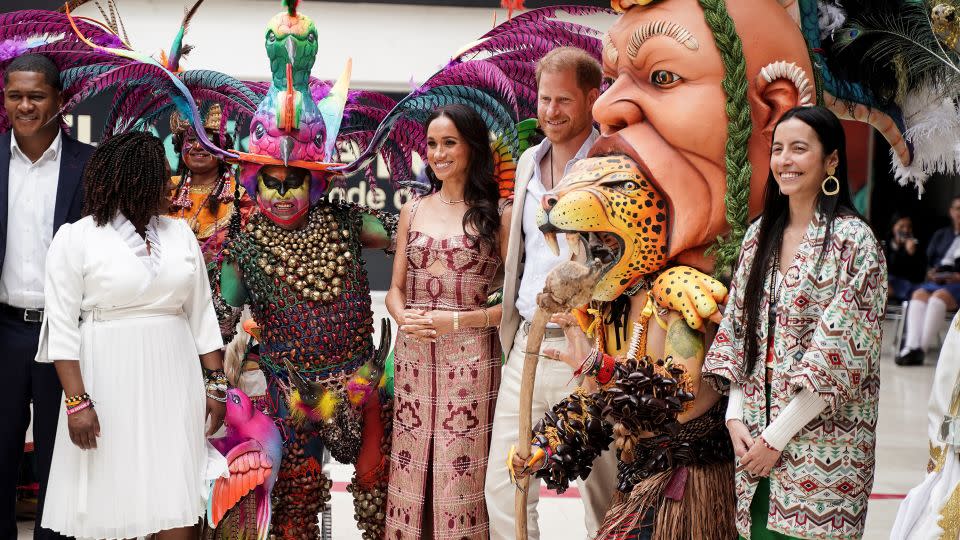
(128, 314)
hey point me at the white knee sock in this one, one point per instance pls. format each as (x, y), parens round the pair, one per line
(916, 310)
(936, 309)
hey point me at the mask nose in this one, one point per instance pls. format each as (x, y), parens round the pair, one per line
(548, 202)
(615, 110)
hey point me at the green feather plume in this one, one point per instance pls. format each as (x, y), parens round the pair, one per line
(291, 6)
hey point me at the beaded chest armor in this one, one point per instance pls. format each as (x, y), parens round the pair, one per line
(309, 292)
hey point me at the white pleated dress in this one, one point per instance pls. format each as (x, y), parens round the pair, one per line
(143, 321)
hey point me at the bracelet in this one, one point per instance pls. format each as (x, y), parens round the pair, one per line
(589, 364)
(606, 369)
(768, 445)
(83, 405)
(73, 401)
(456, 321)
(215, 375)
(486, 318)
(215, 397)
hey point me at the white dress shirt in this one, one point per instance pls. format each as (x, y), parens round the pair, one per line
(539, 260)
(952, 254)
(32, 200)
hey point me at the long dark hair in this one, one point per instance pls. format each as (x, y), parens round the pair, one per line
(127, 174)
(776, 211)
(482, 220)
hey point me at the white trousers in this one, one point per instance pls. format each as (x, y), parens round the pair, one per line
(554, 382)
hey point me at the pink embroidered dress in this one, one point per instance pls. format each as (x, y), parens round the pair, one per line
(445, 395)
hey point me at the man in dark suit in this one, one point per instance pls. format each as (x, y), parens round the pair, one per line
(40, 177)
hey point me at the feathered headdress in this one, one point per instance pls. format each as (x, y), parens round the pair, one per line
(494, 75)
(212, 121)
(894, 64)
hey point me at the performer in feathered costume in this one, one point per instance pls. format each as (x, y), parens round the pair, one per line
(297, 263)
(209, 197)
(693, 136)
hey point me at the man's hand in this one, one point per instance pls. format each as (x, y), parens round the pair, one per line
(691, 293)
(520, 468)
(578, 345)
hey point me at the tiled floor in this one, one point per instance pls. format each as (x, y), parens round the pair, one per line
(901, 459)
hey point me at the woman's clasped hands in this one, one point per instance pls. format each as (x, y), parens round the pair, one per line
(755, 456)
(426, 326)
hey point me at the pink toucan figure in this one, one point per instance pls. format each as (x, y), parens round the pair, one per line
(253, 449)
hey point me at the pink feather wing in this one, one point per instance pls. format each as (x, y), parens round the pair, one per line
(250, 467)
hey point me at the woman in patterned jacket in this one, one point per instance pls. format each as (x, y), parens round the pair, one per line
(799, 345)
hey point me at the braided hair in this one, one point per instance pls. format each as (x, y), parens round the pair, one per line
(224, 141)
(128, 174)
(739, 127)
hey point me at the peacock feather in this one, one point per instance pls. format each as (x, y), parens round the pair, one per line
(894, 50)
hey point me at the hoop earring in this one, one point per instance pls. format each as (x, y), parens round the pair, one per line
(836, 184)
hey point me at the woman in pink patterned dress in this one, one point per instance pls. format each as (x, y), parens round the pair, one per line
(447, 357)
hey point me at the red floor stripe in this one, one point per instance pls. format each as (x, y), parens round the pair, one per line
(574, 493)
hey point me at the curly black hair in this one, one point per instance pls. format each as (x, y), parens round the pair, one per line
(127, 174)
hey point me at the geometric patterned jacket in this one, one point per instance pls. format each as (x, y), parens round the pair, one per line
(826, 339)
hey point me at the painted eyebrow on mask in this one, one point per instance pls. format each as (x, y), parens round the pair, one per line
(660, 28)
(610, 52)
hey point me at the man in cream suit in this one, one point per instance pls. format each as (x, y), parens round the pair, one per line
(568, 83)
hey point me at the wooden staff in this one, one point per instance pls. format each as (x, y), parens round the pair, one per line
(568, 286)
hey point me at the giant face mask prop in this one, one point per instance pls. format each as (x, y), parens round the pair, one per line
(283, 194)
(683, 110)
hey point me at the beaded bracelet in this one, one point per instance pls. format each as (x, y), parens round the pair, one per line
(73, 401)
(606, 369)
(215, 397)
(83, 405)
(456, 321)
(768, 445)
(215, 376)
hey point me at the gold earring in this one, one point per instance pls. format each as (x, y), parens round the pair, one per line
(836, 183)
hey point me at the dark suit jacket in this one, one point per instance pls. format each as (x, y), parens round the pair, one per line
(73, 158)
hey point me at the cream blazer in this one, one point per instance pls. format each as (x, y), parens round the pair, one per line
(513, 265)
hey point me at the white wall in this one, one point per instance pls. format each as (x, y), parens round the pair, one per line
(389, 44)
